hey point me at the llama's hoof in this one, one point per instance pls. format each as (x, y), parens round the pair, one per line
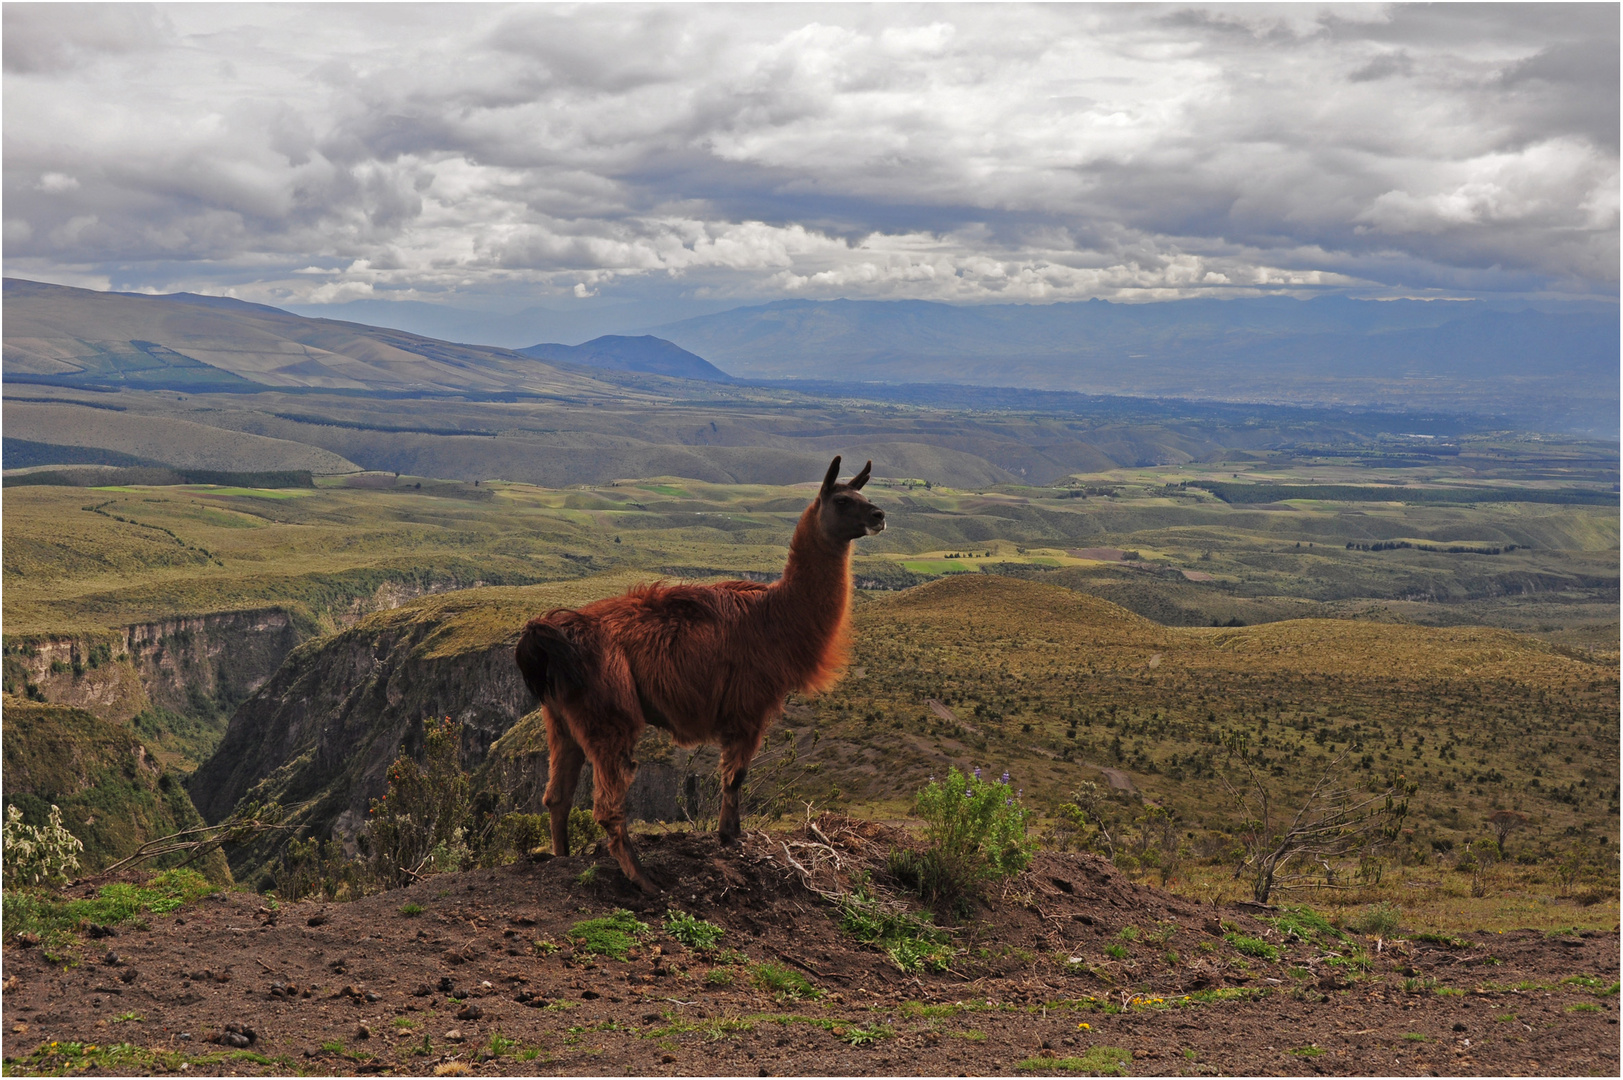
(727, 839)
(647, 887)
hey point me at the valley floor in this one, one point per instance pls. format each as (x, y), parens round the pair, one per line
(1072, 969)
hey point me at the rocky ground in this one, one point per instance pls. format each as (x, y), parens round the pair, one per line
(478, 973)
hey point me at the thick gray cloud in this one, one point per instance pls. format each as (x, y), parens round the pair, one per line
(964, 153)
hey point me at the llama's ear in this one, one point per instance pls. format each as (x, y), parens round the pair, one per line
(862, 477)
(832, 478)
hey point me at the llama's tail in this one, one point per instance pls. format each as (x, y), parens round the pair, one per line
(549, 658)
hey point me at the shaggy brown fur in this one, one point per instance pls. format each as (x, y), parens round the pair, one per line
(709, 663)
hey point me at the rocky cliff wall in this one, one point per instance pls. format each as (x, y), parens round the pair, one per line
(193, 665)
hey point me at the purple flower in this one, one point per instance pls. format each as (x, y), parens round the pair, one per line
(1005, 780)
(977, 772)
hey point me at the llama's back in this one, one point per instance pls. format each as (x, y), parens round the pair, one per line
(694, 652)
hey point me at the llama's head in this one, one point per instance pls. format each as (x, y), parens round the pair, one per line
(842, 511)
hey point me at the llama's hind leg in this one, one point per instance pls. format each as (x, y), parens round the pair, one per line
(565, 759)
(611, 778)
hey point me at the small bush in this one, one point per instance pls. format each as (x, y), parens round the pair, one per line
(612, 936)
(718, 977)
(1378, 920)
(975, 831)
(316, 868)
(520, 834)
(38, 856)
(584, 831)
(411, 911)
(420, 824)
(692, 932)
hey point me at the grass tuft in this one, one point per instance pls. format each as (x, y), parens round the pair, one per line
(1098, 1061)
(612, 936)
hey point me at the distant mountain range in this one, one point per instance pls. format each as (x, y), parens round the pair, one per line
(1553, 366)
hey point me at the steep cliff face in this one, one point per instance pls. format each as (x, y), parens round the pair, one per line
(190, 664)
(87, 672)
(196, 663)
(318, 737)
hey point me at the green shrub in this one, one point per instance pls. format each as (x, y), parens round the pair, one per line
(420, 824)
(613, 935)
(411, 911)
(520, 834)
(38, 856)
(692, 932)
(584, 831)
(313, 867)
(974, 832)
(1378, 920)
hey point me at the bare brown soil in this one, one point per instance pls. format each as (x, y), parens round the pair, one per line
(358, 987)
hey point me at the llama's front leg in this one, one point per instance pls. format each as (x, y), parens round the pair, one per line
(565, 758)
(735, 762)
(611, 778)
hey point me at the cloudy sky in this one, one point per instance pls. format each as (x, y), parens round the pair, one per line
(495, 156)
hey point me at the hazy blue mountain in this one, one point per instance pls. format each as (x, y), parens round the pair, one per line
(647, 354)
(570, 321)
(1552, 365)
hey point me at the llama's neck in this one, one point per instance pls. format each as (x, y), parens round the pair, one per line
(813, 601)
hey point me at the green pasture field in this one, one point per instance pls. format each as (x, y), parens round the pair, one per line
(72, 565)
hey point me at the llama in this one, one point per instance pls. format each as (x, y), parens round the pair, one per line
(708, 663)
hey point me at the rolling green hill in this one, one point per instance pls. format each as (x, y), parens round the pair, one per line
(76, 337)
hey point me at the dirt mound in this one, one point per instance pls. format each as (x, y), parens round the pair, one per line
(1071, 968)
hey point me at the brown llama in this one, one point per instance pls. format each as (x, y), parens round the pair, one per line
(708, 663)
